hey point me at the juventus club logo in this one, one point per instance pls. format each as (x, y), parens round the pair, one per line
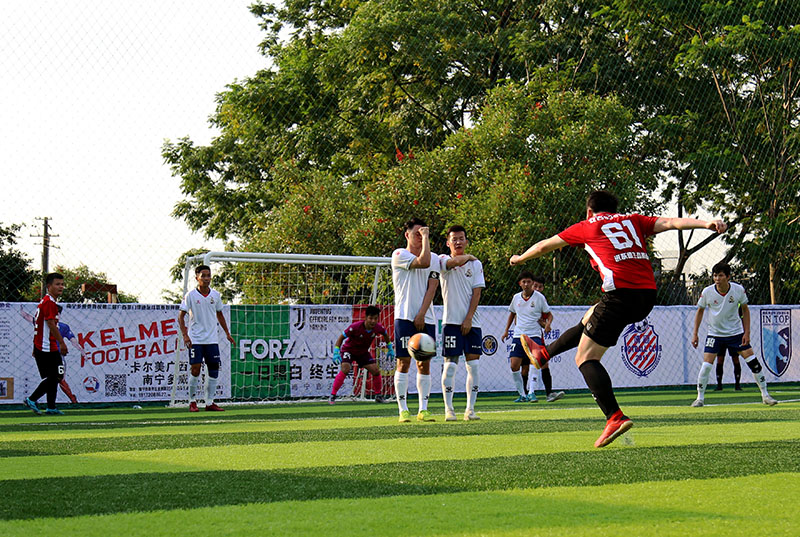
(300, 321)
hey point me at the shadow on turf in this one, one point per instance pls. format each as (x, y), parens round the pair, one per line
(76, 446)
(90, 495)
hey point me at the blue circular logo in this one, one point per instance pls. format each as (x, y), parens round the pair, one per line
(489, 345)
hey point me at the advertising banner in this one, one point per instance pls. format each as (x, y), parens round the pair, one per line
(116, 352)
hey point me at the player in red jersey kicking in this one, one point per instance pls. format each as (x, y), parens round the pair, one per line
(358, 338)
(616, 244)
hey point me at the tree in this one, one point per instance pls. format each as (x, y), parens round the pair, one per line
(17, 279)
(74, 278)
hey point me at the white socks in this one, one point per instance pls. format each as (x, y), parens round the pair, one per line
(193, 383)
(424, 389)
(401, 389)
(472, 384)
(448, 383)
(759, 377)
(702, 380)
(517, 376)
(211, 389)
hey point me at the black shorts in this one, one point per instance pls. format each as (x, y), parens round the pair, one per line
(50, 364)
(616, 310)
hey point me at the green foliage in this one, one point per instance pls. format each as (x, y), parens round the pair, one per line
(74, 278)
(17, 280)
(667, 103)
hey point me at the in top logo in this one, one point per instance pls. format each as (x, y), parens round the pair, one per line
(776, 339)
(640, 349)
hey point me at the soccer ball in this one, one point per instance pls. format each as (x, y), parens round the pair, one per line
(421, 347)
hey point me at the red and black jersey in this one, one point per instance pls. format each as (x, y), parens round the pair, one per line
(43, 339)
(616, 244)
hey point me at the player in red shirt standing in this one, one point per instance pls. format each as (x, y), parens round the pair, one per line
(616, 244)
(48, 346)
(358, 338)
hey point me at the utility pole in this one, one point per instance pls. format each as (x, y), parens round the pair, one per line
(46, 236)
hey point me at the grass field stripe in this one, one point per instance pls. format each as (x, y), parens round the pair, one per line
(671, 508)
(274, 456)
(61, 430)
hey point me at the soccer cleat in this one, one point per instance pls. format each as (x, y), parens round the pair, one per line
(214, 408)
(379, 398)
(532, 398)
(697, 403)
(554, 396)
(193, 407)
(738, 388)
(616, 426)
(470, 415)
(53, 412)
(405, 416)
(450, 415)
(536, 353)
(28, 402)
(718, 388)
(521, 399)
(425, 415)
(332, 399)
(768, 400)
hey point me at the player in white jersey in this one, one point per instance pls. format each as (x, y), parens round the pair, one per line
(462, 282)
(526, 310)
(545, 324)
(415, 275)
(204, 307)
(726, 330)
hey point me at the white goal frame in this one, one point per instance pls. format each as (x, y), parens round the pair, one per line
(208, 258)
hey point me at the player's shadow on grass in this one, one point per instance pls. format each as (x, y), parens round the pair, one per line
(91, 495)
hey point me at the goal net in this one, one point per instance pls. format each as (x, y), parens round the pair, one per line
(285, 312)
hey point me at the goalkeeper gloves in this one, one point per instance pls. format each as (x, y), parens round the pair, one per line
(390, 351)
(337, 356)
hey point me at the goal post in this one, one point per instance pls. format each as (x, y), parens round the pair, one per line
(285, 312)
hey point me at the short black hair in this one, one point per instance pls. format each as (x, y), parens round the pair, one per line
(53, 276)
(602, 201)
(414, 222)
(369, 311)
(722, 266)
(455, 229)
(526, 274)
(201, 268)
(538, 279)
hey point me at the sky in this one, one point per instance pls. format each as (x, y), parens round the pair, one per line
(90, 90)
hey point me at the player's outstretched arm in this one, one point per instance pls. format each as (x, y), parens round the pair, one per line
(666, 224)
(539, 249)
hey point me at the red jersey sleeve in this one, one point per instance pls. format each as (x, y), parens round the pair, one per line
(574, 235)
(49, 310)
(646, 224)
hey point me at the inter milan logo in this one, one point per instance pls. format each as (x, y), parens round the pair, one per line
(489, 345)
(776, 339)
(640, 349)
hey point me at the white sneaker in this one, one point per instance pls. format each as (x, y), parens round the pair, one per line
(470, 415)
(554, 396)
(449, 415)
(697, 402)
(768, 400)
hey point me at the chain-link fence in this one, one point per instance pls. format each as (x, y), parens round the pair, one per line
(334, 122)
